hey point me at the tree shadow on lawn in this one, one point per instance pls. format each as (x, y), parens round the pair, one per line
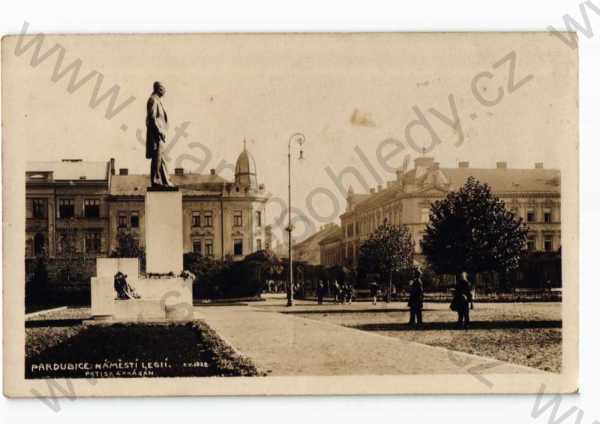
(474, 325)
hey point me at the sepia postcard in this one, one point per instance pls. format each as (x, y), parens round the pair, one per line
(290, 214)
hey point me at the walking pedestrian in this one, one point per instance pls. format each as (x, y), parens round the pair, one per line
(374, 289)
(349, 293)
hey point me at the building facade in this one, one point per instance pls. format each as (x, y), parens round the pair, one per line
(66, 207)
(331, 248)
(87, 205)
(308, 250)
(533, 194)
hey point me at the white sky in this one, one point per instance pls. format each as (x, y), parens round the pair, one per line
(266, 88)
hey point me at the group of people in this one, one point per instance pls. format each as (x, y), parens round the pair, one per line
(461, 300)
(462, 297)
(342, 293)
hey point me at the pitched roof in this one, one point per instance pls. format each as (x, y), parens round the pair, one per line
(359, 198)
(71, 170)
(378, 198)
(502, 180)
(308, 249)
(135, 185)
(337, 235)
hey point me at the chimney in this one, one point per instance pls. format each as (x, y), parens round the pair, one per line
(178, 171)
(123, 171)
(501, 165)
(463, 164)
(112, 166)
(372, 190)
(399, 173)
(213, 171)
(539, 165)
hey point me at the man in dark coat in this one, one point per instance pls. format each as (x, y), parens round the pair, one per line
(462, 298)
(415, 300)
(320, 292)
(156, 137)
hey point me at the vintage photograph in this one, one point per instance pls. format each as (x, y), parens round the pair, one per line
(291, 213)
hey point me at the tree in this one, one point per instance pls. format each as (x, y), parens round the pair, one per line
(389, 249)
(37, 284)
(265, 264)
(471, 230)
(72, 262)
(129, 247)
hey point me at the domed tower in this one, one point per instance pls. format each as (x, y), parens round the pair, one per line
(245, 170)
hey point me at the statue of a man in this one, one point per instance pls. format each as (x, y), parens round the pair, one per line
(156, 137)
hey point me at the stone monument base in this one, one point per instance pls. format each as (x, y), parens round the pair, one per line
(164, 298)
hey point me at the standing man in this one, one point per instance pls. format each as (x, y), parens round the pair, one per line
(415, 300)
(320, 292)
(461, 300)
(156, 137)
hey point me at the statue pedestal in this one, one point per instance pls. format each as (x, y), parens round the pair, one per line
(164, 232)
(162, 297)
(165, 298)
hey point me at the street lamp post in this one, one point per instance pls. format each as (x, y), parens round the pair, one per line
(298, 138)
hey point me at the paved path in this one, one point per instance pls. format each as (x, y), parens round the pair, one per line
(282, 344)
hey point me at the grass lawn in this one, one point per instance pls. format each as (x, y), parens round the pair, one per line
(58, 345)
(522, 333)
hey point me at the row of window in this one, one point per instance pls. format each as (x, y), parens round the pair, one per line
(531, 214)
(92, 243)
(205, 219)
(91, 209)
(66, 208)
(372, 222)
(66, 242)
(128, 219)
(547, 245)
(332, 257)
(207, 248)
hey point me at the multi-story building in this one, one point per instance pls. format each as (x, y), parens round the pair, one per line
(308, 250)
(331, 248)
(92, 203)
(66, 205)
(533, 194)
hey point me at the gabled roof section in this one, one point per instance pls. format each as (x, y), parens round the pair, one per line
(69, 170)
(135, 185)
(379, 198)
(502, 180)
(335, 236)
